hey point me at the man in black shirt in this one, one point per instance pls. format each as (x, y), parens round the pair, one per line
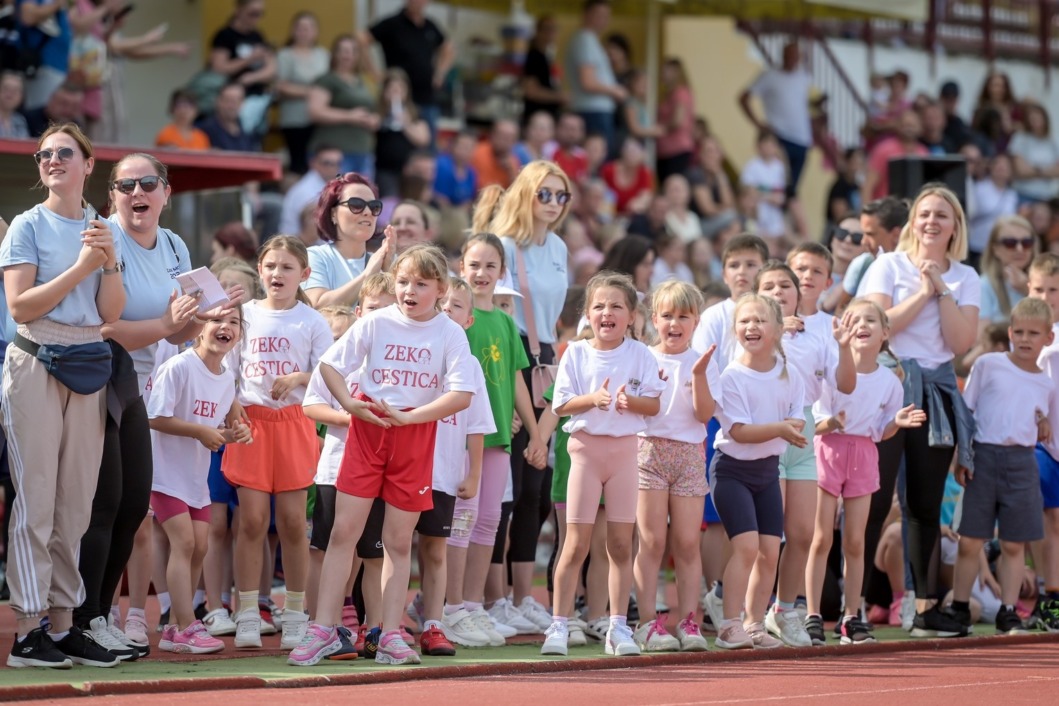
(540, 89)
(411, 41)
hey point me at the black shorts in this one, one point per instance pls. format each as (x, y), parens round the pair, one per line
(323, 517)
(432, 523)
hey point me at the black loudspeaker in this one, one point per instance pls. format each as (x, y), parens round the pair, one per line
(908, 175)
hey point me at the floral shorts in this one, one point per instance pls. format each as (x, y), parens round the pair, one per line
(676, 466)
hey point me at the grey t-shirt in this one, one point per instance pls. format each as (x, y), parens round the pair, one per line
(586, 49)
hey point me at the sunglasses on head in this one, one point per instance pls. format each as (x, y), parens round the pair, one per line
(1012, 243)
(843, 234)
(545, 196)
(147, 183)
(63, 154)
(357, 205)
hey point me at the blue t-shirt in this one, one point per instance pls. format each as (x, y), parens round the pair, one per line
(546, 274)
(989, 309)
(329, 269)
(457, 191)
(52, 243)
(149, 280)
(53, 36)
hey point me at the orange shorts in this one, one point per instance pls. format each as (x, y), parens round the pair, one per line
(395, 464)
(283, 456)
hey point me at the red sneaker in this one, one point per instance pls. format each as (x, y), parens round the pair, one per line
(268, 627)
(359, 644)
(434, 643)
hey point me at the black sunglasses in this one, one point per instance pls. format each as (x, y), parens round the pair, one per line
(147, 183)
(63, 154)
(357, 205)
(843, 234)
(1012, 243)
(545, 196)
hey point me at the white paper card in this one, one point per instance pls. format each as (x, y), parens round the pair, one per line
(203, 284)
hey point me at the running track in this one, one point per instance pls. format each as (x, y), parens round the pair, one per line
(1006, 674)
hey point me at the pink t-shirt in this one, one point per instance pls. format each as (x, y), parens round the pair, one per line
(879, 159)
(680, 140)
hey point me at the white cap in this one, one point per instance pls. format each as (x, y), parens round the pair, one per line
(502, 290)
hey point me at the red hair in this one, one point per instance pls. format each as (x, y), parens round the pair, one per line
(330, 197)
(236, 235)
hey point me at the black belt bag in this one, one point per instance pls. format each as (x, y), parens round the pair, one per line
(84, 368)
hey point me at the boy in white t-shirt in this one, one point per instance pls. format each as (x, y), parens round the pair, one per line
(813, 263)
(767, 173)
(1003, 491)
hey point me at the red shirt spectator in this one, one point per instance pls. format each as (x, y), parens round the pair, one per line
(573, 161)
(631, 186)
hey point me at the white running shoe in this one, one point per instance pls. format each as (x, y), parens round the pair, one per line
(620, 642)
(908, 610)
(652, 636)
(136, 631)
(555, 639)
(597, 629)
(460, 627)
(248, 628)
(219, 623)
(575, 633)
(691, 639)
(535, 613)
(98, 632)
(120, 636)
(761, 638)
(787, 626)
(414, 610)
(504, 612)
(484, 623)
(714, 606)
(293, 624)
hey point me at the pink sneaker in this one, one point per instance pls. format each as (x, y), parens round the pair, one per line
(319, 642)
(894, 619)
(878, 615)
(194, 639)
(350, 619)
(394, 650)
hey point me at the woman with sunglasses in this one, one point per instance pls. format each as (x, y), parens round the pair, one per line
(1005, 268)
(846, 242)
(63, 282)
(529, 213)
(994, 197)
(346, 217)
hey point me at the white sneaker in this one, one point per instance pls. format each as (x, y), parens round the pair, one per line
(653, 637)
(908, 610)
(219, 623)
(691, 639)
(597, 629)
(294, 624)
(136, 631)
(535, 613)
(98, 632)
(761, 638)
(620, 642)
(414, 610)
(555, 639)
(504, 612)
(500, 627)
(714, 606)
(787, 626)
(248, 628)
(119, 635)
(460, 628)
(575, 633)
(484, 623)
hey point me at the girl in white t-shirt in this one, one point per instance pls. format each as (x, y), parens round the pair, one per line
(603, 429)
(813, 358)
(671, 459)
(415, 369)
(761, 412)
(191, 395)
(285, 338)
(849, 426)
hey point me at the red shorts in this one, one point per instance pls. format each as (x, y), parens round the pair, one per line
(847, 466)
(395, 464)
(166, 507)
(283, 456)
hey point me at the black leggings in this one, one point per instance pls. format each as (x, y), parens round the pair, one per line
(891, 452)
(123, 494)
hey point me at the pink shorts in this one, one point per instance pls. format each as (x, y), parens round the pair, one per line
(167, 507)
(601, 465)
(847, 466)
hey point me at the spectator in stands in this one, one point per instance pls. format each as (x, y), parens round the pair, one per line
(996, 102)
(594, 207)
(344, 109)
(538, 138)
(884, 123)
(494, 159)
(224, 127)
(676, 118)
(240, 52)
(89, 25)
(596, 154)
(411, 42)
(63, 106)
(956, 131)
(629, 178)
(298, 66)
(932, 117)
(12, 123)
(307, 231)
(843, 198)
(594, 90)
(904, 144)
(651, 224)
(401, 131)
(234, 240)
(619, 53)
(671, 262)
(1005, 268)
(633, 255)
(784, 95)
(1036, 157)
(44, 26)
(635, 119)
(540, 81)
(455, 182)
(570, 153)
(681, 221)
(994, 198)
(846, 242)
(181, 132)
(766, 174)
(712, 195)
(325, 164)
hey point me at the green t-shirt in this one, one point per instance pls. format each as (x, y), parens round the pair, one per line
(561, 470)
(495, 342)
(344, 96)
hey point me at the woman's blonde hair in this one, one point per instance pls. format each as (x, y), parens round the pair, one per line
(679, 295)
(775, 315)
(515, 218)
(426, 261)
(993, 268)
(486, 208)
(957, 244)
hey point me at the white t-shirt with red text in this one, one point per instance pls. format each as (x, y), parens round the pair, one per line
(163, 352)
(335, 438)
(450, 444)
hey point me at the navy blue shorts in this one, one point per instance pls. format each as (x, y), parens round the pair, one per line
(1049, 470)
(709, 510)
(748, 495)
(221, 491)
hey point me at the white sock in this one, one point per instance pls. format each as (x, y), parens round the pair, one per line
(471, 606)
(164, 602)
(56, 636)
(431, 624)
(451, 608)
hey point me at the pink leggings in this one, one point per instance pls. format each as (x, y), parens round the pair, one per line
(476, 520)
(602, 464)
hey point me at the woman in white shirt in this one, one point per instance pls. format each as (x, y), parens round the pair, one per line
(298, 65)
(1035, 156)
(993, 198)
(932, 301)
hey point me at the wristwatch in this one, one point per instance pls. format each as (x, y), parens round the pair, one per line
(946, 293)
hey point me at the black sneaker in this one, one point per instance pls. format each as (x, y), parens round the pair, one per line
(940, 622)
(99, 632)
(163, 620)
(200, 611)
(860, 616)
(1049, 615)
(82, 649)
(814, 625)
(37, 650)
(632, 614)
(371, 643)
(346, 651)
(854, 631)
(1008, 622)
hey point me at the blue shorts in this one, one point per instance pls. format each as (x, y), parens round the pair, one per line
(1049, 470)
(709, 511)
(221, 491)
